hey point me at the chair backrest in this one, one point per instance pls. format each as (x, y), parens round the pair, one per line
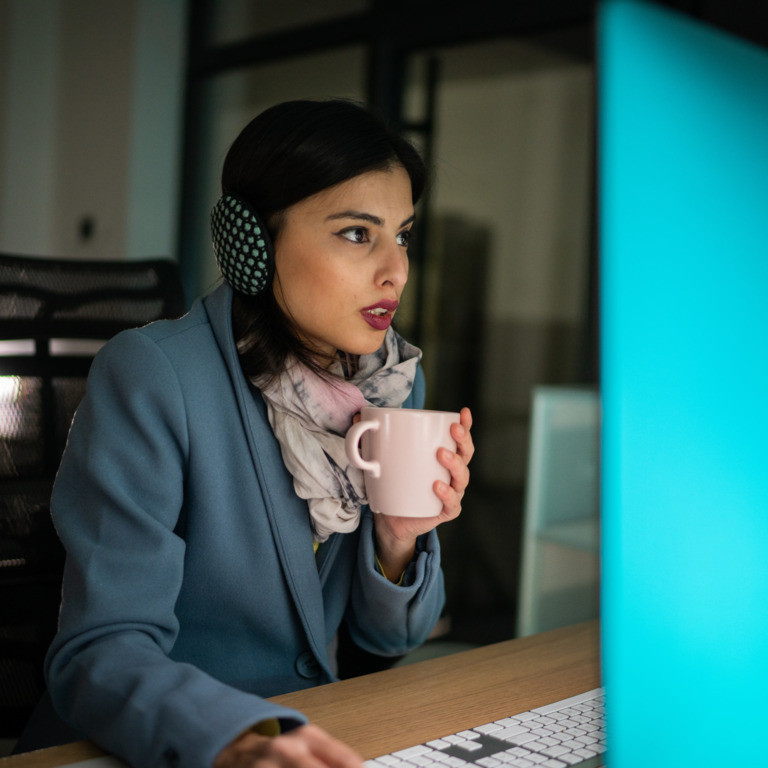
(54, 315)
(563, 464)
(560, 557)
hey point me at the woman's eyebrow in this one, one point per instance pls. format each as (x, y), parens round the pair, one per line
(378, 221)
(356, 215)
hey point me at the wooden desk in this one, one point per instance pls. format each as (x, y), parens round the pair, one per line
(400, 707)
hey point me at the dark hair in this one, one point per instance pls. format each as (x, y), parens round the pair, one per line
(284, 155)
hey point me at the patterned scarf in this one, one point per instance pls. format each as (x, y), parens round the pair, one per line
(310, 417)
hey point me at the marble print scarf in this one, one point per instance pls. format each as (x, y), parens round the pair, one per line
(310, 417)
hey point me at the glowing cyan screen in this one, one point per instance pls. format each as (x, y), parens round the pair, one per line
(683, 158)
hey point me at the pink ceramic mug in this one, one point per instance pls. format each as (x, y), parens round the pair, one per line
(397, 450)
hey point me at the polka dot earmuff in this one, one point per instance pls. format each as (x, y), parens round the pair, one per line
(242, 246)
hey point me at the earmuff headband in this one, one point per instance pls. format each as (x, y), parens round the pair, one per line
(241, 245)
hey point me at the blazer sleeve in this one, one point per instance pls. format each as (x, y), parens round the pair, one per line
(115, 504)
(389, 619)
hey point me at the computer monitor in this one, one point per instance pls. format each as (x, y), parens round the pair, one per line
(683, 205)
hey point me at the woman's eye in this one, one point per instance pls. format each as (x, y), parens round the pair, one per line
(355, 234)
(403, 238)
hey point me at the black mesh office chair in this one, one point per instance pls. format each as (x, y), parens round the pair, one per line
(53, 316)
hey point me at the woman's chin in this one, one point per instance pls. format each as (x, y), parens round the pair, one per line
(367, 347)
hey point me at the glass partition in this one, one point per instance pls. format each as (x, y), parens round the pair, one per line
(505, 283)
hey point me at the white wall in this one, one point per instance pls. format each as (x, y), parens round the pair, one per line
(154, 153)
(90, 126)
(29, 54)
(514, 152)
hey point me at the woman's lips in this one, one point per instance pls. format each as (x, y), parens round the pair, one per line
(379, 315)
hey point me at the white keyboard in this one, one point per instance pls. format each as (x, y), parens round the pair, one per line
(566, 733)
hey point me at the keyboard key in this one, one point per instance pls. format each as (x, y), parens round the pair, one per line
(438, 744)
(535, 746)
(489, 728)
(522, 738)
(554, 751)
(404, 754)
(580, 719)
(573, 744)
(519, 752)
(570, 758)
(421, 760)
(505, 721)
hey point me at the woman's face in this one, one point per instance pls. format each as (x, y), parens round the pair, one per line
(341, 261)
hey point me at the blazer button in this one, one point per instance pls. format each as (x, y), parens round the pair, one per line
(306, 665)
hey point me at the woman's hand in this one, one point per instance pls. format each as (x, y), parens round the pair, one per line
(305, 747)
(396, 536)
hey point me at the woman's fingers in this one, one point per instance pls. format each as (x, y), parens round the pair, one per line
(305, 747)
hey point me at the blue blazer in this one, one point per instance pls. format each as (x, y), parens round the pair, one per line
(191, 588)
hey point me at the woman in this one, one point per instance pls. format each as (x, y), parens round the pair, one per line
(215, 537)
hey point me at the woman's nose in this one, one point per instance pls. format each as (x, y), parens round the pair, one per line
(394, 266)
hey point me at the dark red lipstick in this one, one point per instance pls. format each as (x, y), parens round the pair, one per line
(379, 315)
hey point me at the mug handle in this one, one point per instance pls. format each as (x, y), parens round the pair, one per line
(352, 444)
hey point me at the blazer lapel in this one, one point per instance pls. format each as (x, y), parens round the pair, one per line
(287, 513)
